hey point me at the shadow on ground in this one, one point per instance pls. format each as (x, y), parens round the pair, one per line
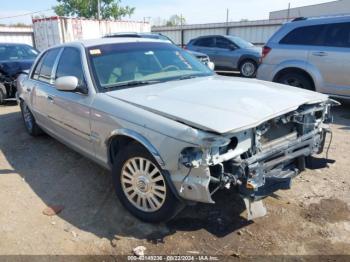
(59, 176)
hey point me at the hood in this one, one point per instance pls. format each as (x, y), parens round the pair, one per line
(253, 50)
(13, 67)
(217, 103)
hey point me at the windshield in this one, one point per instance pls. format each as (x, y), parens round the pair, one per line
(240, 42)
(17, 52)
(132, 64)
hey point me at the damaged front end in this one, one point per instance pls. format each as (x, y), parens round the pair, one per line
(258, 161)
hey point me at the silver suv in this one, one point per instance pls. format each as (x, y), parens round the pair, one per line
(311, 53)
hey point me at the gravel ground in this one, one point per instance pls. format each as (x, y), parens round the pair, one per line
(312, 218)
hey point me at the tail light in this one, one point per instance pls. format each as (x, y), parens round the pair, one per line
(265, 51)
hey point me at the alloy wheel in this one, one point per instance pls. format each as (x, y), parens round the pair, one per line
(143, 184)
(248, 69)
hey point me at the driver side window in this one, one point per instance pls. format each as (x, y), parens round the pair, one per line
(70, 65)
(223, 43)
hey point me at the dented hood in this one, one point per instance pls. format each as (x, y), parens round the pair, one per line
(217, 103)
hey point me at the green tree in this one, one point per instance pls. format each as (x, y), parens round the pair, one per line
(175, 20)
(109, 9)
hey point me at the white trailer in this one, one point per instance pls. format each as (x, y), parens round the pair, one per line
(57, 30)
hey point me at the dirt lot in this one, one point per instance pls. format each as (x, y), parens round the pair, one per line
(311, 218)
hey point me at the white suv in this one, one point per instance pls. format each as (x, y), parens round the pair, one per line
(311, 53)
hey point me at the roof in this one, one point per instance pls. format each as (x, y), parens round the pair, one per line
(103, 41)
(13, 44)
(133, 33)
(320, 20)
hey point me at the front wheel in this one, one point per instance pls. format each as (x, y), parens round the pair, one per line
(141, 185)
(248, 68)
(29, 121)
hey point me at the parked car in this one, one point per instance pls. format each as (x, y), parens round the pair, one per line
(228, 53)
(311, 53)
(14, 59)
(202, 57)
(171, 131)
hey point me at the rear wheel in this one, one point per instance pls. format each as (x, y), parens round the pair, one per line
(297, 80)
(29, 121)
(248, 68)
(3, 94)
(141, 185)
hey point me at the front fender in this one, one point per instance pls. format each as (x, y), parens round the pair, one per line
(139, 138)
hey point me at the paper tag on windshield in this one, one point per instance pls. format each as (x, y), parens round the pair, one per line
(95, 52)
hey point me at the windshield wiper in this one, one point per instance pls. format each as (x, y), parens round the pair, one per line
(188, 77)
(133, 83)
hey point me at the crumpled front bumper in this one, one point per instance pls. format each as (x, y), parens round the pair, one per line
(273, 169)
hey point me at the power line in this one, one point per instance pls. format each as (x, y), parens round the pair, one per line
(31, 13)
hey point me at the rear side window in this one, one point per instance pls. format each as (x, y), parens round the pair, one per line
(338, 35)
(307, 35)
(205, 42)
(70, 64)
(46, 66)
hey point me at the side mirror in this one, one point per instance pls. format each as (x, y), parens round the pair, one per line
(211, 65)
(24, 72)
(232, 47)
(66, 83)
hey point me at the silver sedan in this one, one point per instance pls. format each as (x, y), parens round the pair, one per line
(171, 131)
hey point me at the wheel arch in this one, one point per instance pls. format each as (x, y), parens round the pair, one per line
(247, 57)
(120, 138)
(291, 69)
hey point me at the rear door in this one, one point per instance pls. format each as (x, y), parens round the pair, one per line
(332, 58)
(41, 87)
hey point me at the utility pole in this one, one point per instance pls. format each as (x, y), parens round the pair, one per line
(99, 9)
(147, 19)
(227, 20)
(182, 31)
(288, 12)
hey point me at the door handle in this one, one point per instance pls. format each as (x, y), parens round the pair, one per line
(50, 98)
(319, 54)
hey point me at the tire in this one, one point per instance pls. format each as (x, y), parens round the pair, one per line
(130, 186)
(297, 80)
(248, 68)
(29, 121)
(3, 94)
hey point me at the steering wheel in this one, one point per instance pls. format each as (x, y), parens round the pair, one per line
(170, 68)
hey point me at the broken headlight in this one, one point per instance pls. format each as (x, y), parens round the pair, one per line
(196, 156)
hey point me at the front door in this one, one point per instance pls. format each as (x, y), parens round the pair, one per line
(225, 53)
(70, 111)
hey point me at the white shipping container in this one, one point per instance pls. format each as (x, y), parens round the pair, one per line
(57, 30)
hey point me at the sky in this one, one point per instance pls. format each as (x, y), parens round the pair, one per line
(194, 11)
